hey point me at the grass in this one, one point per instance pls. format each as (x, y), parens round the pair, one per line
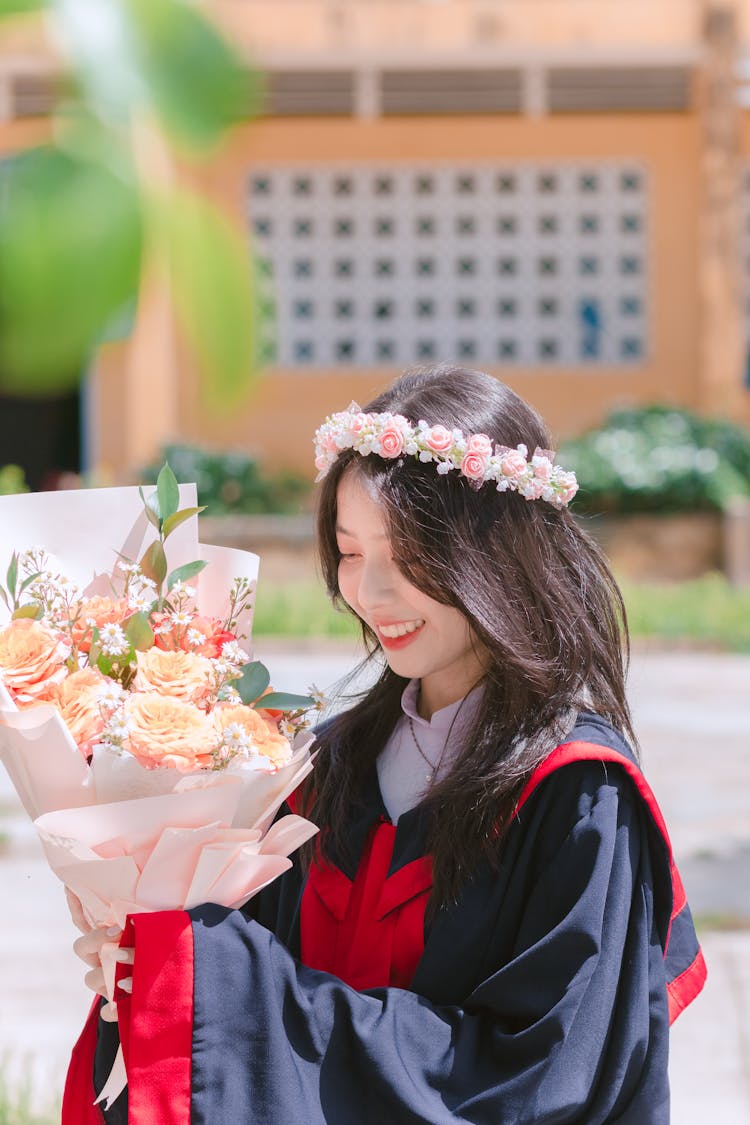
(16, 1104)
(706, 612)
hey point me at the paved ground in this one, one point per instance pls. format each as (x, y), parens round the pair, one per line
(692, 714)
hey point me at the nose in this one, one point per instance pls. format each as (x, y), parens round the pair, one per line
(376, 585)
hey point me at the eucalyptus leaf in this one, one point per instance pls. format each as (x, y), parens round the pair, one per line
(185, 572)
(253, 682)
(34, 611)
(154, 563)
(12, 576)
(213, 294)
(179, 517)
(70, 257)
(168, 491)
(284, 701)
(139, 633)
(4, 596)
(27, 581)
(151, 508)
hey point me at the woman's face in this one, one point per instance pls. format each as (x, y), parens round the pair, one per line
(421, 638)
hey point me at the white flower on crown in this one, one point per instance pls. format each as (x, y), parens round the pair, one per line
(392, 436)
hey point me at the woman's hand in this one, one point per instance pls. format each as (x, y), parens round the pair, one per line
(89, 947)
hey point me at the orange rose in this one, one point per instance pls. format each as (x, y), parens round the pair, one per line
(265, 736)
(32, 660)
(77, 700)
(214, 637)
(102, 611)
(163, 731)
(182, 675)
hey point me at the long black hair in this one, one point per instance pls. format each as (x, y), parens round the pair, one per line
(536, 590)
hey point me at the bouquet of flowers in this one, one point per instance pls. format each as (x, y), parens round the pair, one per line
(144, 742)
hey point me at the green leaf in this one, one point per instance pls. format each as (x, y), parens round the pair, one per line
(34, 611)
(185, 572)
(168, 491)
(70, 255)
(20, 7)
(154, 563)
(284, 701)
(196, 83)
(12, 576)
(253, 682)
(27, 581)
(5, 598)
(213, 293)
(151, 508)
(139, 633)
(179, 517)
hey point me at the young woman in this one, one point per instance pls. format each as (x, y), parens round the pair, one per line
(490, 927)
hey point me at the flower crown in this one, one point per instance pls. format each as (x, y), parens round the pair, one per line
(474, 457)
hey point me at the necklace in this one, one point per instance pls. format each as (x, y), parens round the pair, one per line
(429, 777)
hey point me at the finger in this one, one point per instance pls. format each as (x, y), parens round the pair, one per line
(95, 981)
(76, 911)
(108, 1012)
(88, 947)
(125, 956)
(126, 984)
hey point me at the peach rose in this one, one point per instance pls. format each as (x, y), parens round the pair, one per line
(32, 660)
(265, 735)
(474, 466)
(512, 462)
(358, 423)
(481, 444)
(214, 637)
(102, 611)
(439, 439)
(163, 731)
(181, 675)
(77, 700)
(391, 441)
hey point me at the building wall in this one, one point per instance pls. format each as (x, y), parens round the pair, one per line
(570, 398)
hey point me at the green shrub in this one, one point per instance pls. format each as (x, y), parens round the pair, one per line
(12, 480)
(232, 482)
(659, 459)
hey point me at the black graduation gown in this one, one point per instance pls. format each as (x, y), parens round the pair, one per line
(544, 995)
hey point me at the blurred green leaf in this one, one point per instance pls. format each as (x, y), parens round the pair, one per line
(185, 572)
(197, 85)
(284, 701)
(139, 632)
(34, 611)
(168, 491)
(70, 252)
(213, 293)
(151, 508)
(19, 7)
(154, 563)
(253, 682)
(179, 517)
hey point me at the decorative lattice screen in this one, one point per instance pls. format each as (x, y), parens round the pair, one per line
(493, 265)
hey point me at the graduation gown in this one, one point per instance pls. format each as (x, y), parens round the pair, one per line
(544, 994)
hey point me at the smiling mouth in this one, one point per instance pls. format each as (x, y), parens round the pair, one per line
(400, 634)
(400, 629)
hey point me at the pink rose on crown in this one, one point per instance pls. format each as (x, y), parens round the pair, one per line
(391, 441)
(513, 461)
(357, 423)
(474, 466)
(439, 439)
(479, 443)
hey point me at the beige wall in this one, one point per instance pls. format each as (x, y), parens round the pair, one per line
(570, 399)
